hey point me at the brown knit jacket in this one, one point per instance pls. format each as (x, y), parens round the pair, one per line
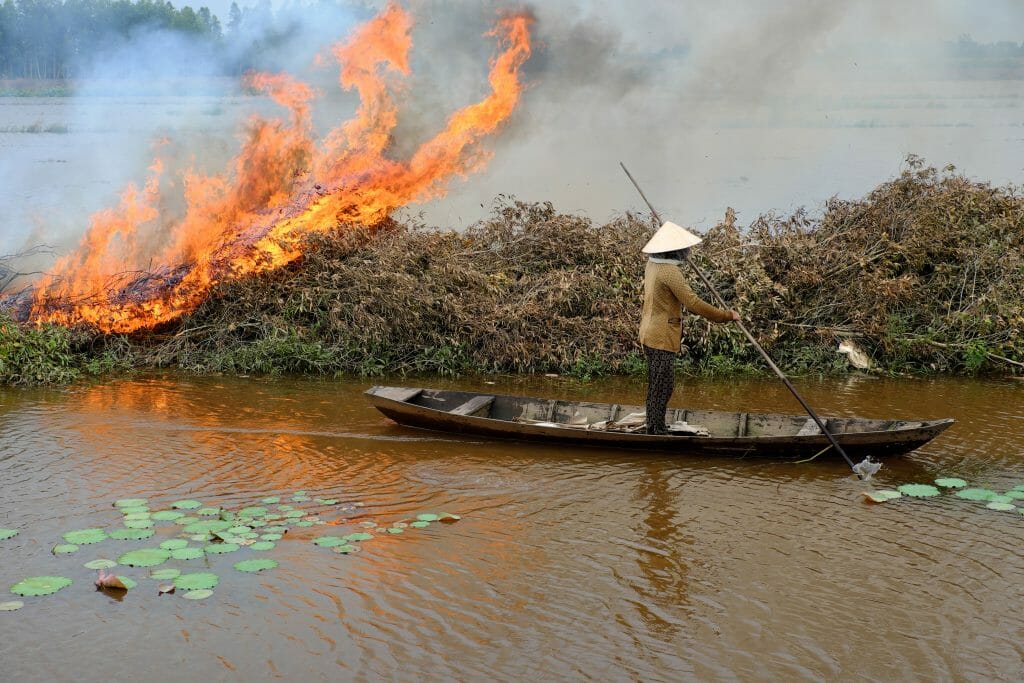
(666, 293)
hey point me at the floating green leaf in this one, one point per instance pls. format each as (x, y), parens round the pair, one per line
(256, 565)
(40, 585)
(327, 501)
(1015, 494)
(131, 534)
(275, 529)
(7, 533)
(101, 563)
(64, 548)
(134, 510)
(359, 536)
(166, 573)
(883, 496)
(253, 511)
(262, 545)
(976, 494)
(396, 530)
(186, 520)
(294, 514)
(174, 544)
(208, 512)
(1001, 506)
(271, 537)
(85, 536)
(428, 517)
(285, 506)
(304, 524)
(137, 515)
(187, 553)
(198, 595)
(221, 548)
(138, 524)
(196, 581)
(419, 524)
(329, 541)
(167, 515)
(145, 557)
(951, 483)
(1000, 499)
(241, 529)
(186, 504)
(345, 549)
(11, 605)
(206, 526)
(130, 502)
(128, 583)
(918, 490)
(270, 500)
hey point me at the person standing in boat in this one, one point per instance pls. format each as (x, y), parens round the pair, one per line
(666, 295)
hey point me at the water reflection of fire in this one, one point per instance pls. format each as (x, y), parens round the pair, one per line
(282, 186)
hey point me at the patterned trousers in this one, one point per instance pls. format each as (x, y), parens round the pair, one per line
(660, 383)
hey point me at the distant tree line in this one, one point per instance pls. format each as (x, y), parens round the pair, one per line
(52, 39)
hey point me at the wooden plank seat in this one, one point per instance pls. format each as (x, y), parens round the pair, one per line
(473, 406)
(398, 393)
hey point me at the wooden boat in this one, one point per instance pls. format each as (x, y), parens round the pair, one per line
(699, 432)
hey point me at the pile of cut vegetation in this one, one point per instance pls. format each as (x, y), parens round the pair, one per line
(925, 274)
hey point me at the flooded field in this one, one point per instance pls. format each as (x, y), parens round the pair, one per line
(566, 563)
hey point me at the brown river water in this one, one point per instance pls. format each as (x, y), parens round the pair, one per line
(567, 564)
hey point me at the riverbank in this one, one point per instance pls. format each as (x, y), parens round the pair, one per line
(923, 275)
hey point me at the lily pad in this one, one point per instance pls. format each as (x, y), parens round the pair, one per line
(428, 517)
(419, 524)
(167, 515)
(186, 520)
(976, 494)
(128, 583)
(101, 563)
(11, 605)
(1002, 507)
(882, 496)
(131, 534)
(395, 530)
(270, 500)
(166, 573)
(40, 585)
(208, 512)
(134, 510)
(130, 502)
(145, 557)
(85, 536)
(329, 541)
(253, 511)
(918, 490)
(187, 553)
(198, 594)
(345, 549)
(285, 506)
(221, 548)
(327, 501)
(7, 533)
(196, 581)
(186, 504)
(174, 544)
(256, 565)
(304, 524)
(64, 548)
(206, 526)
(241, 529)
(271, 537)
(138, 524)
(359, 536)
(137, 515)
(263, 545)
(1014, 494)
(951, 483)
(275, 529)
(1000, 499)
(294, 514)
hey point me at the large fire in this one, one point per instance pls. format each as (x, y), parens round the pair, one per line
(283, 186)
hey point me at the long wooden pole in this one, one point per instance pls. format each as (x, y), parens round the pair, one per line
(750, 337)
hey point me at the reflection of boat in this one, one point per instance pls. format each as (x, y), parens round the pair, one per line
(701, 432)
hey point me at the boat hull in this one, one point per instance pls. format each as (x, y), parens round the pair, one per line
(855, 435)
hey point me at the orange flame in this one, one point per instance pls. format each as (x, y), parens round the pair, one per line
(281, 187)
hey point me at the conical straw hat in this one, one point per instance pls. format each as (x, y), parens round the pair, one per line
(670, 237)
